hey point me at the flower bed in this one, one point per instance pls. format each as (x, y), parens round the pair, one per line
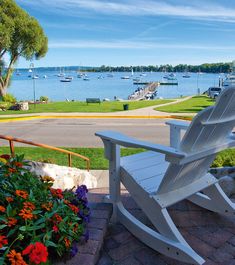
(38, 223)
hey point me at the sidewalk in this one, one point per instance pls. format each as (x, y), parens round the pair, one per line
(147, 112)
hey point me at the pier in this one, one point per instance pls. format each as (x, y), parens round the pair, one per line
(147, 92)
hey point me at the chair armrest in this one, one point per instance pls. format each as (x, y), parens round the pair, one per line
(172, 154)
(175, 131)
(182, 125)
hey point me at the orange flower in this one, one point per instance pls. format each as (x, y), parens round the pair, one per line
(12, 170)
(11, 222)
(15, 258)
(67, 242)
(22, 194)
(18, 164)
(57, 218)
(29, 205)
(66, 202)
(26, 214)
(47, 206)
(47, 179)
(9, 199)
(2, 209)
(75, 228)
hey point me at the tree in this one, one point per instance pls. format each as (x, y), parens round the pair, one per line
(20, 36)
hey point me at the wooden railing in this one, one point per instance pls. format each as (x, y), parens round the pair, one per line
(69, 153)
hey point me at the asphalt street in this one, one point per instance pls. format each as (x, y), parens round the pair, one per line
(80, 132)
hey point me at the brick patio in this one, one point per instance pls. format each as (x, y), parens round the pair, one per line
(211, 235)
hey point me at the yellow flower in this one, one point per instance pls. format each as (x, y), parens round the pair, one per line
(3, 160)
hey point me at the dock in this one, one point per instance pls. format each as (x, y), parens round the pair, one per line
(147, 92)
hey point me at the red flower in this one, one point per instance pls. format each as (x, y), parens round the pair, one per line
(37, 253)
(18, 164)
(3, 241)
(7, 157)
(57, 193)
(74, 208)
(55, 229)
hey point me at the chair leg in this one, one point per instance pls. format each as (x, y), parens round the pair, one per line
(214, 199)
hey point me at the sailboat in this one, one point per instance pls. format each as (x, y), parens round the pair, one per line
(186, 74)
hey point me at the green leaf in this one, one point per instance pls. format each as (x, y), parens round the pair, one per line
(23, 228)
(50, 244)
(2, 226)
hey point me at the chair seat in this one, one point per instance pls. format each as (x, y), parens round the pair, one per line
(147, 169)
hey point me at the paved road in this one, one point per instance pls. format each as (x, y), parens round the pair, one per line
(80, 132)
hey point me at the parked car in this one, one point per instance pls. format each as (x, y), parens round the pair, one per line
(213, 92)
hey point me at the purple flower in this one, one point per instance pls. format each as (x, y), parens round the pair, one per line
(81, 192)
(74, 249)
(86, 235)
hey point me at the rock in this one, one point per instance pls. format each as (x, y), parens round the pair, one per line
(227, 183)
(65, 177)
(20, 106)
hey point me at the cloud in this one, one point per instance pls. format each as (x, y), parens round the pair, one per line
(191, 10)
(117, 44)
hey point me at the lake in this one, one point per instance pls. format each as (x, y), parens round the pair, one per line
(101, 86)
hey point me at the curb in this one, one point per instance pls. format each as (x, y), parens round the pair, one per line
(97, 117)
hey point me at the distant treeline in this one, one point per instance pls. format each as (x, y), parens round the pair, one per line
(206, 68)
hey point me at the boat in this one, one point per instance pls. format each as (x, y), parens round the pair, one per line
(110, 75)
(170, 76)
(125, 77)
(86, 78)
(143, 74)
(172, 83)
(186, 75)
(66, 79)
(35, 76)
(141, 82)
(229, 81)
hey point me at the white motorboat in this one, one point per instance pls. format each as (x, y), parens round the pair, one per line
(66, 79)
(125, 77)
(230, 79)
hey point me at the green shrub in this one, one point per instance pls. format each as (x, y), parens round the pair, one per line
(44, 98)
(9, 98)
(225, 159)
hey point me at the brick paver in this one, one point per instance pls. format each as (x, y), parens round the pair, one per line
(211, 235)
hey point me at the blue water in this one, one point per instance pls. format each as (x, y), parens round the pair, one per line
(22, 87)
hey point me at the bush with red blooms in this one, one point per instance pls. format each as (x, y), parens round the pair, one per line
(37, 222)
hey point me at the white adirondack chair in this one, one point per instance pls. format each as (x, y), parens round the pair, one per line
(163, 176)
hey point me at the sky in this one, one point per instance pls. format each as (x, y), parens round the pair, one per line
(134, 32)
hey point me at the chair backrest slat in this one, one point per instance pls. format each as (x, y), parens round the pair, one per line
(201, 136)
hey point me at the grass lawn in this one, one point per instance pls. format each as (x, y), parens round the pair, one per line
(96, 156)
(192, 105)
(79, 106)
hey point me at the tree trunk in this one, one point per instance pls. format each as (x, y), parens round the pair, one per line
(5, 81)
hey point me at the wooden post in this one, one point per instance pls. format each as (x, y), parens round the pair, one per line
(70, 160)
(11, 144)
